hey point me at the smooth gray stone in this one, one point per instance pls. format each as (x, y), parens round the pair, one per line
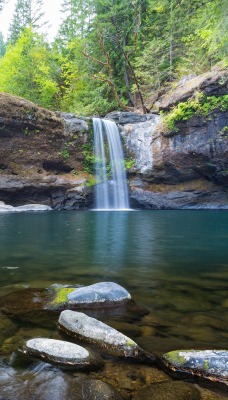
(59, 352)
(90, 329)
(211, 364)
(99, 293)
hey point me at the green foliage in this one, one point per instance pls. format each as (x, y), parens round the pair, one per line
(26, 70)
(65, 153)
(181, 38)
(109, 52)
(129, 162)
(202, 105)
(60, 296)
(91, 181)
(89, 158)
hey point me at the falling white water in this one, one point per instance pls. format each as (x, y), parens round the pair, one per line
(111, 189)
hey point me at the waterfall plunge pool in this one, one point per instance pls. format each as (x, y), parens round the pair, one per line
(174, 263)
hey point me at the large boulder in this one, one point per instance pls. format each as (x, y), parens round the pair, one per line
(87, 329)
(58, 352)
(211, 83)
(209, 364)
(103, 294)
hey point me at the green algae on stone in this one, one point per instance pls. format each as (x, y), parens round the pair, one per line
(174, 357)
(209, 364)
(60, 297)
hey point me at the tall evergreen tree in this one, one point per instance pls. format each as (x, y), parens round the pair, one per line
(27, 13)
(77, 15)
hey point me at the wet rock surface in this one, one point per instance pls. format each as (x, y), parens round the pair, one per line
(82, 327)
(103, 294)
(73, 124)
(123, 118)
(95, 389)
(117, 381)
(138, 137)
(179, 199)
(169, 391)
(64, 354)
(43, 383)
(129, 378)
(210, 364)
(131, 381)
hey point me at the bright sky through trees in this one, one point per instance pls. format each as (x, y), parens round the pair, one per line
(52, 15)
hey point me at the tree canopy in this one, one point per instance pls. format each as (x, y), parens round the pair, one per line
(111, 54)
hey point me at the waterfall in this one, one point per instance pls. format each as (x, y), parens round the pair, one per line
(111, 191)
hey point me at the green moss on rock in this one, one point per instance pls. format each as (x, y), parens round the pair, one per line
(60, 297)
(174, 357)
(202, 106)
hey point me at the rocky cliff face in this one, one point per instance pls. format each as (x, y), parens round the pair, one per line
(41, 156)
(187, 168)
(41, 153)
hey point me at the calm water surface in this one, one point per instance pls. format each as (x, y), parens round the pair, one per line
(175, 263)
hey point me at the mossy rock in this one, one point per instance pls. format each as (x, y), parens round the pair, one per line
(59, 297)
(209, 364)
(101, 294)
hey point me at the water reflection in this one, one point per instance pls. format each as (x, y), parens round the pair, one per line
(110, 239)
(61, 246)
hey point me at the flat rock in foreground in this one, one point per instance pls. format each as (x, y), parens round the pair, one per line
(209, 364)
(103, 294)
(82, 327)
(64, 354)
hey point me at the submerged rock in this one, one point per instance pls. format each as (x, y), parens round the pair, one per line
(82, 327)
(209, 364)
(169, 391)
(95, 389)
(102, 293)
(45, 383)
(64, 354)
